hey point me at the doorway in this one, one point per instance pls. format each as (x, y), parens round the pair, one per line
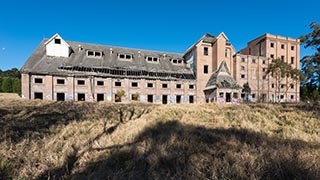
(164, 99)
(228, 97)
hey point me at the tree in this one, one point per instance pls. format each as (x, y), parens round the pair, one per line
(284, 76)
(6, 85)
(119, 95)
(311, 63)
(247, 91)
(16, 86)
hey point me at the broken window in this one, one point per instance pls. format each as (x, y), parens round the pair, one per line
(117, 83)
(81, 82)
(57, 41)
(60, 81)
(38, 95)
(100, 83)
(205, 69)
(205, 51)
(134, 84)
(100, 97)
(150, 85)
(60, 97)
(38, 80)
(127, 57)
(152, 59)
(191, 99)
(178, 99)
(81, 97)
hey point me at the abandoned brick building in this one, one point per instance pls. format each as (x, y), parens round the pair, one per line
(210, 70)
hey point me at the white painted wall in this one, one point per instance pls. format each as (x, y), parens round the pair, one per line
(60, 50)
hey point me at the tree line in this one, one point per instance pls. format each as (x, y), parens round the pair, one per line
(10, 81)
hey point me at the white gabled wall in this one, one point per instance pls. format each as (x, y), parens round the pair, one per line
(60, 50)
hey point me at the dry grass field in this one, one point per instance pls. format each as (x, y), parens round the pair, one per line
(11, 96)
(80, 140)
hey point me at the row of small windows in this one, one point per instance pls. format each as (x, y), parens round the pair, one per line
(271, 56)
(96, 54)
(282, 46)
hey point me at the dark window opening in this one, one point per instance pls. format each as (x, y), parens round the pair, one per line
(205, 51)
(38, 80)
(97, 54)
(150, 98)
(292, 60)
(90, 53)
(121, 56)
(281, 96)
(191, 86)
(38, 95)
(81, 97)
(100, 97)
(205, 69)
(253, 61)
(292, 48)
(282, 46)
(243, 76)
(292, 96)
(228, 97)
(117, 83)
(164, 99)
(60, 81)
(235, 95)
(253, 96)
(243, 60)
(150, 85)
(191, 99)
(272, 56)
(117, 98)
(282, 58)
(271, 45)
(60, 97)
(57, 41)
(81, 82)
(291, 86)
(100, 83)
(272, 85)
(178, 99)
(134, 84)
(178, 86)
(164, 85)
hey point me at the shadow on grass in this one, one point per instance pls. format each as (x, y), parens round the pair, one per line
(171, 150)
(32, 122)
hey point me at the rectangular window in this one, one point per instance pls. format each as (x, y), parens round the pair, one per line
(60, 81)
(243, 60)
(272, 85)
(292, 48)
(191, 86)
(38, 95)
(253, 60)
(282, 58)
(81, 97)
(272, 56)
(100, 97)
(57, 41)
(205, 51)
(134, 84)
(178, 99)
(235, 95)
(243, 68)
(281, 96)
(292, 86)
(292, 97)
(264, 69)
(282, 86)
(164, 85)
(100, 83)
(90, 53)
(191, 99)
(178, 86)
(263, 62)
(253, 96)
(117, 83)
(292, 60)
(243, 76)
(164, 99)
(38, 80)
(272, 45)
(150, 98)
(60, 97)
(81, 82)
(282, 46)
(127, 57)
(150, 85)
(205, 69)
(221, 94)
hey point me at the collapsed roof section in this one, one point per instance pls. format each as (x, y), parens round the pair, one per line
(100, 60)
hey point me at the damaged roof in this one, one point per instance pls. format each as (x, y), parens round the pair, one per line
(221, 78)
(40, 63)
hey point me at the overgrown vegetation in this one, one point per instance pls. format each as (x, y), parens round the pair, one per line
(310, 88)
(80, 140)
(10, 81)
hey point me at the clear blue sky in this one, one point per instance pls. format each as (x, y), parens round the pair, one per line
(165, 25)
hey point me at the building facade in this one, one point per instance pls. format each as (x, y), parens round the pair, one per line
(210, 70)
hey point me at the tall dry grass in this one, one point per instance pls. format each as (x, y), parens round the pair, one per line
(79, 140)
